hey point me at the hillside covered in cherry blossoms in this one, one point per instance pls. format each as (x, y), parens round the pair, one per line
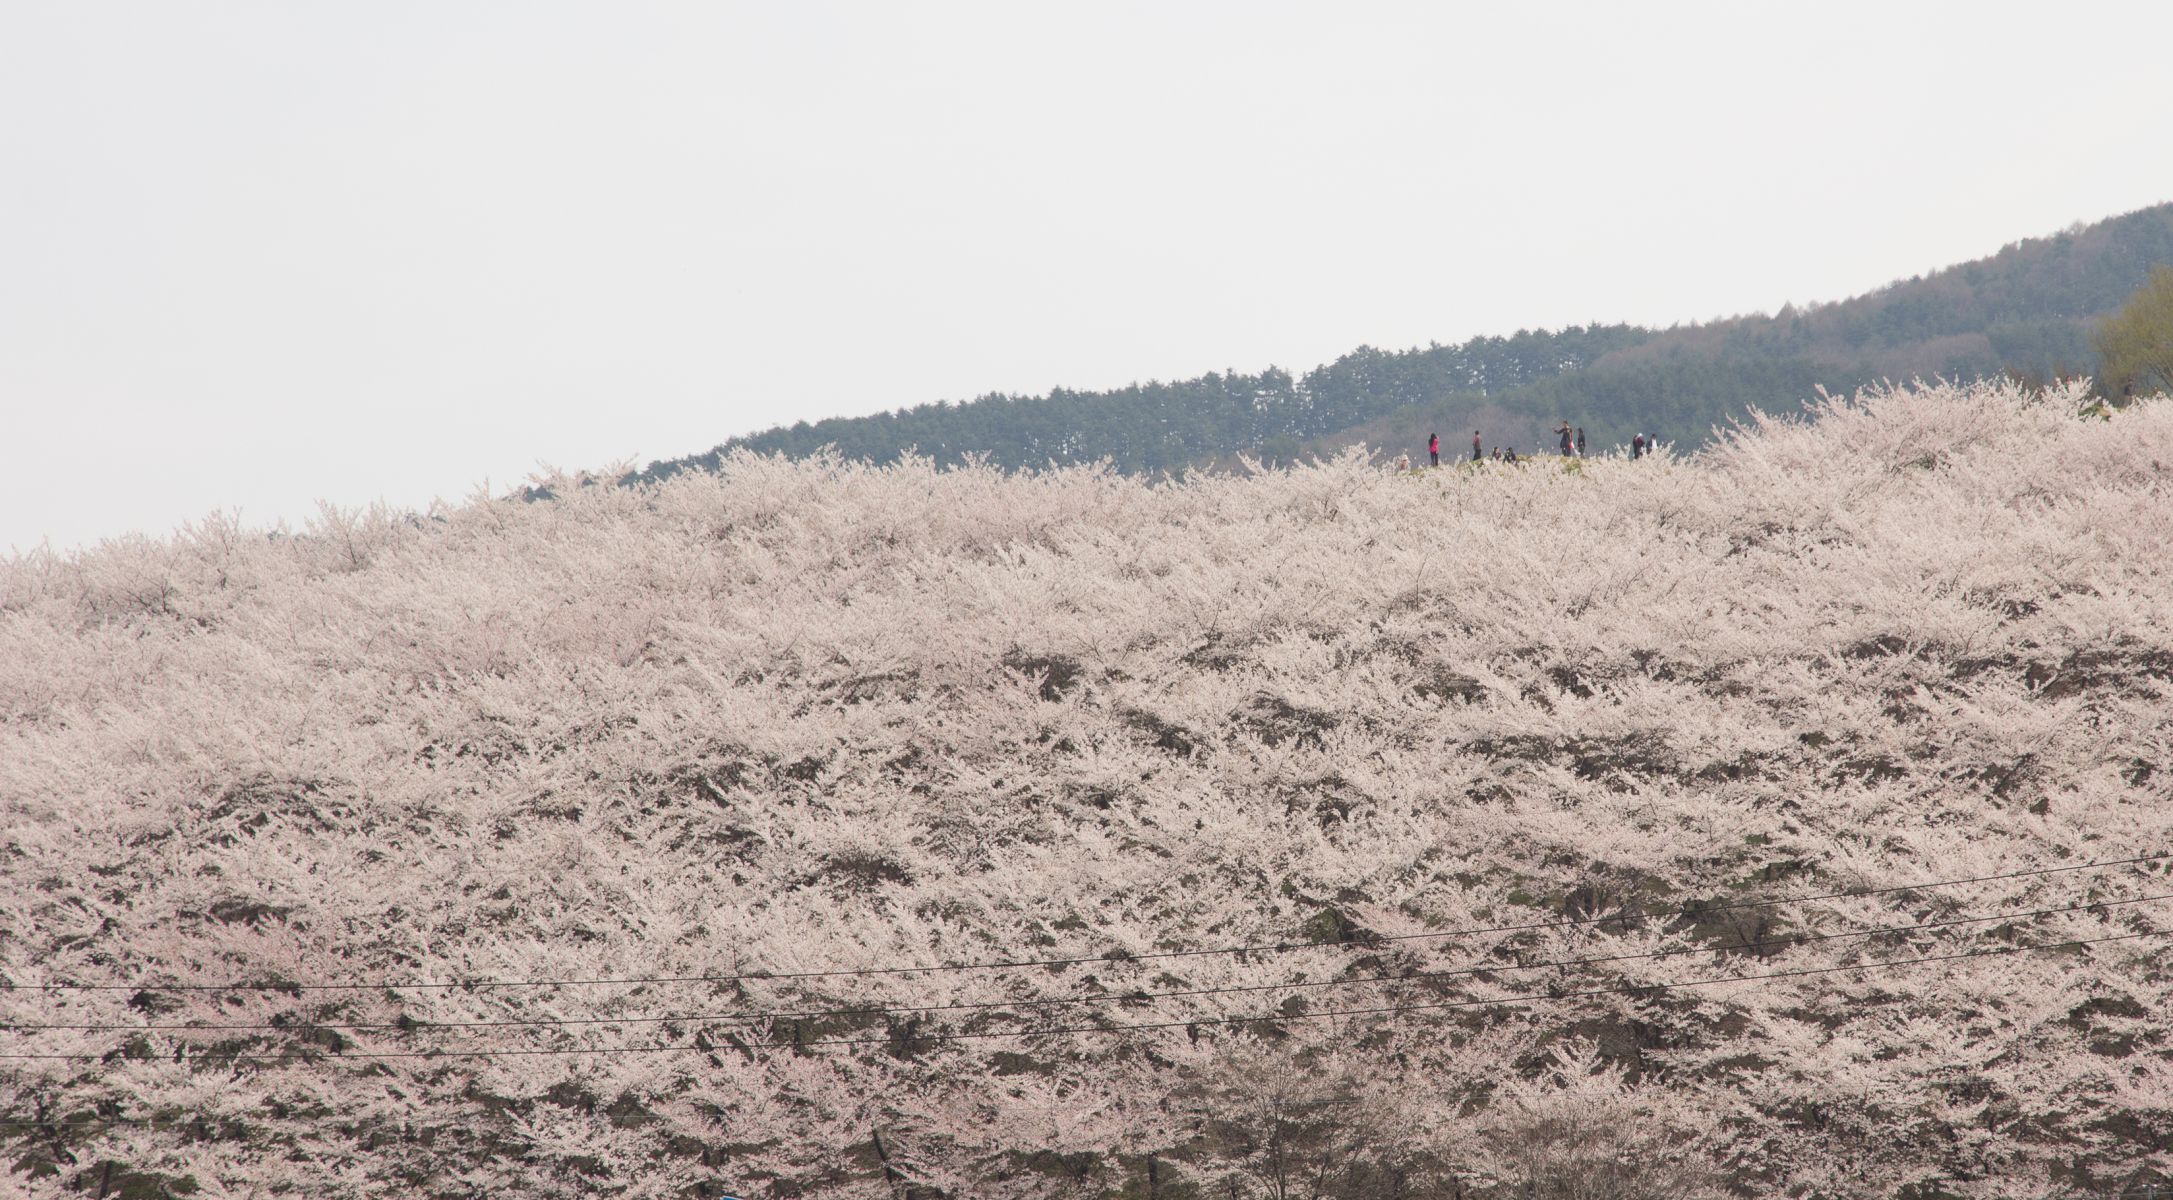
(1783, 819)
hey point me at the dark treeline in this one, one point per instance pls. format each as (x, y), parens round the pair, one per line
(2028, 309)
(1169, 426)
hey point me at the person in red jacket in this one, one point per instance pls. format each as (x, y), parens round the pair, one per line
(1475, 445)
(1433, 447)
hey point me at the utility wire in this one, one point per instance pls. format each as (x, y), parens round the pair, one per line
(1115, 955)
(706, 1046)
(1102, 998)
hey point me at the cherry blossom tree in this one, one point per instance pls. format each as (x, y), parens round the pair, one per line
(820, 829)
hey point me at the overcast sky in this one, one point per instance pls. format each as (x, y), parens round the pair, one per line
(254, 255)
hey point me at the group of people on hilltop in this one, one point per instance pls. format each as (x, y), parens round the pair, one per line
(1572, 443)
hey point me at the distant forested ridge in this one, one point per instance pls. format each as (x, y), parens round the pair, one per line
(1168, 426)
(2027, 309)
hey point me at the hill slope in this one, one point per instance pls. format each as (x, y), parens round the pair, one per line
(2028, 308)
(733, 740)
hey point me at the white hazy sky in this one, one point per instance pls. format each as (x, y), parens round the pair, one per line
(257, 254)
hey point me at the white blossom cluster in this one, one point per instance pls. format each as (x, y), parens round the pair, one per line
(744, 735)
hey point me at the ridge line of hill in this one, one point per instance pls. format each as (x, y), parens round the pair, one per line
(2027, 309)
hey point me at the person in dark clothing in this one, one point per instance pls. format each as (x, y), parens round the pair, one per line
(1565, 439)
(1433, 447)
(1475, 445)
(1637, 446)
(1580, 441)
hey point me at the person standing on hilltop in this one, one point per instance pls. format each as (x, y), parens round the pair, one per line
(1433, 448)
(1475, 445)
(1580, 441)
(1564, 431)
(1637, 446)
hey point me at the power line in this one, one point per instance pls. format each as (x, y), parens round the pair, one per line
(1116, 955)
(1044, 1002)
(1627, 989)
